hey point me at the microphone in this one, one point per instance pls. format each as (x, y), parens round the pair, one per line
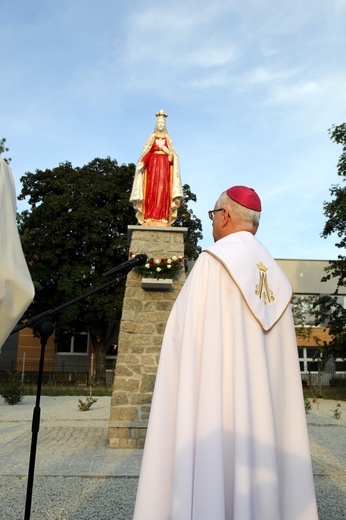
(126, 267)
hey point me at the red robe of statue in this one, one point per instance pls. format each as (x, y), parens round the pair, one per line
(157, 191)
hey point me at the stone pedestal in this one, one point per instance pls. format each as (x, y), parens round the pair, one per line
(144, 317)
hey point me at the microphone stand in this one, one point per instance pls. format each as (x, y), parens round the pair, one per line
(45, 329)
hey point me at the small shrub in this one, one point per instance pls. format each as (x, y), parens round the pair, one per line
(307, 405)
(92, 382)
(13, 390)
(337, 412)
(85, 406)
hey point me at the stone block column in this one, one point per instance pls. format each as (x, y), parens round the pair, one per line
(144, 317)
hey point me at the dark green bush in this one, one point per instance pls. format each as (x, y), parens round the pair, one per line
(12, 388)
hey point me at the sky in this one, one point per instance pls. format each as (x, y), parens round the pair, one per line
(251, 89)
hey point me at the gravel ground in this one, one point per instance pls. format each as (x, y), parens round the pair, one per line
(112, 497)
(69, 498)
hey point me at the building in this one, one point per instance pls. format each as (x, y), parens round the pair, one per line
(73, 359)
(305, 277)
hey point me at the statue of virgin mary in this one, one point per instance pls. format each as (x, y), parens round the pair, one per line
(157, 189)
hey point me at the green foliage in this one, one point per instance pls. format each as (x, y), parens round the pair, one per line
(12, 389)
(334, 393)
(76, 230)
(93, 381)
(307, 405)
(335, 210)
(302, 308)
(3, 149)
(84, 406)
(186, 218)
(337, 411)
(2, 146)
(66, 389)
(328, 309)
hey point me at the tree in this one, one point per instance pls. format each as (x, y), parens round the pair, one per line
(301, 308)
(74, 231)
(329, 308)
(186, 218)
(335, 211)
(3, 149)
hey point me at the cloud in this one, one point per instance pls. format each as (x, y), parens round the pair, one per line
(265, 75)
(294, 92)
(216, 80)
(179, 35)
(211, 54)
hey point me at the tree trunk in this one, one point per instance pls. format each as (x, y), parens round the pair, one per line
(100, 365)
(101, 346)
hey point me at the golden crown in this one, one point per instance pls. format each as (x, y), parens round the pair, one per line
(262, 267)
(161, 114)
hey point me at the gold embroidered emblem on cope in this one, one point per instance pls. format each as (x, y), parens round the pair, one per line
(262, 289)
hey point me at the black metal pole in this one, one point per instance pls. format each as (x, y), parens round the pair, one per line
(45, 330)
(45, 316)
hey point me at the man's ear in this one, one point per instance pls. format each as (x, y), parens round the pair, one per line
(225, 218)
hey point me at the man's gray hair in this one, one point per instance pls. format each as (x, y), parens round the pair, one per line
(238, 212)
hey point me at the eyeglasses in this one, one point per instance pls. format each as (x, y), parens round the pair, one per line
(212, 211)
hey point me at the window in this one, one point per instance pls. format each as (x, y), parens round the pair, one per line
(78, 344)
(306, 361)
(340, 366)
(309, 365)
